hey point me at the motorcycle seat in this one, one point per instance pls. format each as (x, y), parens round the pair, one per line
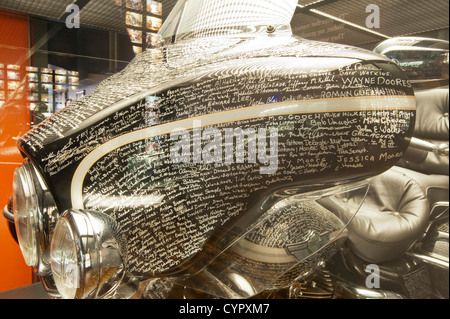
(432, 125)
(391, 219)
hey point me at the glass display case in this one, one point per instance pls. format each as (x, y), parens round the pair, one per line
(218, 149)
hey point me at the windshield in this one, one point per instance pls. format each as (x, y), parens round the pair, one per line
(206, 18)
(422, 65)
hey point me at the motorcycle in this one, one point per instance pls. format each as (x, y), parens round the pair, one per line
(231, 161)
(417, 269)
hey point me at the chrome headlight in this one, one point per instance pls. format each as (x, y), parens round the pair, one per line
(86, 255)
(35, 214)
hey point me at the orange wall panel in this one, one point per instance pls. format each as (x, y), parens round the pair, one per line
(14, 122)
(14, 272)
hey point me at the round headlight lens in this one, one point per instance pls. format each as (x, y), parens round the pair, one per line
(65, 260)
(25, 214)
(35, 216)
(86, 255)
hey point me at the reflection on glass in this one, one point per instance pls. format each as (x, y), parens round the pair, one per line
(32, 69)
(60, 79)
(133, 19)
(134, 4)
(135, 36)
(32, 77)
(153, 24)
(153, 39)
(154, 7)
(13, 85)
(422, 64)
(73, 80)
(46, 78)
(144, 16)
(137, 49)
(13, 67)
(13, 75)
(421, 58)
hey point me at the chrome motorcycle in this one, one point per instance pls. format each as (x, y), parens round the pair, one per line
(228, 162)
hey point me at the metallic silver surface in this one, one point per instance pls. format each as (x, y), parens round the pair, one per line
(44, 214)
(99, 249)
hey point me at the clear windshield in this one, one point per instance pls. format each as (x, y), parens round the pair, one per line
(205, 18)
(422, 65)
(295, 237)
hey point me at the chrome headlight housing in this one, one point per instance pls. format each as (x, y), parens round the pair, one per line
(87, 254)
(35, 215)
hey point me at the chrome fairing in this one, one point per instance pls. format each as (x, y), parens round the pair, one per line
(188, 145)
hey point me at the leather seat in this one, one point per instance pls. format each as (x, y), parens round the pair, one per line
(389, 221)
(432, 125)
(396, 212)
